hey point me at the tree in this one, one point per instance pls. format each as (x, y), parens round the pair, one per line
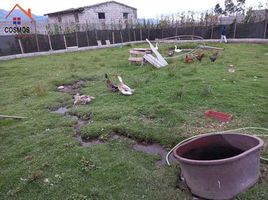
(249, 16)
(217, 9)
(231, 7)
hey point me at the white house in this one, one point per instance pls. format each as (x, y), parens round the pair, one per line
(101, 16)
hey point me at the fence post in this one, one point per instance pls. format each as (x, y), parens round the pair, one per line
(193, 30)
(212, 30)
(96, 34)
(134, 34)
(141, 34)
(121, 37)
(129, 39)
(49, 41)
(87, 38)
(148, 33)
(65, 43)
(234, 30)
(113, 37)
(21, 48)
(36, 37)
(265, 28)
(76, 37)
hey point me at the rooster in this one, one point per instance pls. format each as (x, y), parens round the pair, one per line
(199, 56)
(112, 87)
(214, 57)
(189, 59)
(123, 88)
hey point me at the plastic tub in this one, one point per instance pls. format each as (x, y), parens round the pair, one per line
(220, 166)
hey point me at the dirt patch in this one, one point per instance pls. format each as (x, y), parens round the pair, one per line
(264, 173)
(73, 88)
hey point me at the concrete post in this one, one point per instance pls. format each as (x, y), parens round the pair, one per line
(21, 48)
(65, 43)
(265, 28)
(49, 41)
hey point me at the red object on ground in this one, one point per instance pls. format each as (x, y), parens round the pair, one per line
(224, 117)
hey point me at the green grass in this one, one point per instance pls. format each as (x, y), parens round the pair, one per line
(167, 106)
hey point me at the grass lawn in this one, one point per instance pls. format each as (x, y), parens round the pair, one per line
(40, 159)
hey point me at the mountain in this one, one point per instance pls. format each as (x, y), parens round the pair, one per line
(18, 13)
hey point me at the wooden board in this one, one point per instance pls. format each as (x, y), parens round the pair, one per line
(135, 59)
(135, 52)
(152, 60)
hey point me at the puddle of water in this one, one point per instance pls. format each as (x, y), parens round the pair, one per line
(154, 149)
(60, 110)
(88, 143)
(79, 125)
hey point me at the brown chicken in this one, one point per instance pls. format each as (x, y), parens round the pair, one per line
(189, 59)
(199, 56)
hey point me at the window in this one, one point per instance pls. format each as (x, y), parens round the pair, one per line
(76, 18)
(125, 15)
(59, 19)
(101, 15)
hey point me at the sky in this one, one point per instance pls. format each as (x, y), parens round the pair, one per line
(146, 8)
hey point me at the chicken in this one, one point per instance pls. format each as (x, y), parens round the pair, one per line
(82, 99)
(123, 88)
(189, 59)
(214, 57)
(112, 87)
(199, 56)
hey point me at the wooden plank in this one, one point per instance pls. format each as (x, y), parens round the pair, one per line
(142, 49)
(209, 47)
(158, 55)
(12, 117)
(137, 52)
(135, 59)
(152, 60)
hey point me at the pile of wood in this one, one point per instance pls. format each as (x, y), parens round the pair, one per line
(136, 55)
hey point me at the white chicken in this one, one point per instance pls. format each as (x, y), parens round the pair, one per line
(123, 88)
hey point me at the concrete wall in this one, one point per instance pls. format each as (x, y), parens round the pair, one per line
(113, 15)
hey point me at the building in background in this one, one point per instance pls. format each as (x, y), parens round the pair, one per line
(106, 15)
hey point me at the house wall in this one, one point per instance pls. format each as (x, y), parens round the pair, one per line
(113, 15)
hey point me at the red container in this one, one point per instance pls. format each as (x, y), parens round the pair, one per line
(224, 117)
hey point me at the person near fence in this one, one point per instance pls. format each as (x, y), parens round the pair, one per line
(223, 35)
